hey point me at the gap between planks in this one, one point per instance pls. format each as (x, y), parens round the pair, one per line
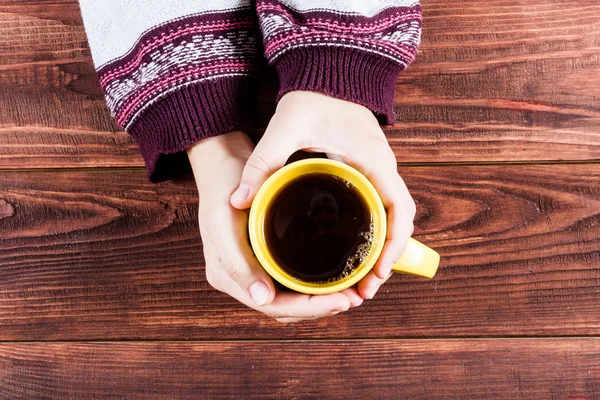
(328, 339)
(400, 164)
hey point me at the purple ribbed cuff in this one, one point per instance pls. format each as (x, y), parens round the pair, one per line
(187, 115)
(344, 73)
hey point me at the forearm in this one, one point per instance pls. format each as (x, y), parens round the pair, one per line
(174, 72)
(353, 50)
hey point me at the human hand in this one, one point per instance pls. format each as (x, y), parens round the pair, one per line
(347, 132)
(230, 263)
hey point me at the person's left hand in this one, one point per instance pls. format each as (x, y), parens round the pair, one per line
(231, 266)
(347, 132)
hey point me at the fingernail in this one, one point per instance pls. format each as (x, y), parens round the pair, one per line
(241, 193)
(388, 270)
(385, 271)
(259, 292)
(371, 293)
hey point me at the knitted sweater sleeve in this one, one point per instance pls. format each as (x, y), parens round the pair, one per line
(349, 49)
(174, 72)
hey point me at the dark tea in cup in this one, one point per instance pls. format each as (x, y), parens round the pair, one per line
(319, 228)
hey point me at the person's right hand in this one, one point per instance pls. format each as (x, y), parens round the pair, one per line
(346, 132)
(230, 263)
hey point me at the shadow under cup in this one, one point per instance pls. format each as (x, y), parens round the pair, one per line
(269, 192)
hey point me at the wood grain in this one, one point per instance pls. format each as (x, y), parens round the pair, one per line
(98, 255)
(399, 369)
(509, 81)
(52, 110)
(512, 80)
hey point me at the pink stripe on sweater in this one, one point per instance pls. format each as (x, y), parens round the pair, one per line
(155, 42)
(275, 44)
(374, 27)
(137, 97)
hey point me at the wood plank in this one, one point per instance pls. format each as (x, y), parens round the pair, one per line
(407, 369)
(509, 81)
(52, 110)
(105, 255)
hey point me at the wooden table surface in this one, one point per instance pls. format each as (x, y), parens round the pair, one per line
(102, 288)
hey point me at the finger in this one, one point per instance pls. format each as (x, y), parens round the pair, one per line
(399, 229)
(335, 157)
(370, 284)
(290, 305)
(271, 153)
(303, 306)
(354, 297)
(238, 261)
(296, 320)
(398, 202)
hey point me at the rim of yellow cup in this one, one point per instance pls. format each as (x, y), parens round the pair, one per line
(285, 176)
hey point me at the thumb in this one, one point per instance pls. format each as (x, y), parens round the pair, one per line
(251, 278)
(269, 155)
(238, 266)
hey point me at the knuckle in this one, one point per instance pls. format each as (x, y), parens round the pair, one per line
(234, 268)
(382, 140)
(406, 228)
(258, 164)
(384, 157)
(411, 209)
(378, 135)
(389, 158)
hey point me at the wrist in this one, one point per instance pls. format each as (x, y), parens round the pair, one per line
(212, 157)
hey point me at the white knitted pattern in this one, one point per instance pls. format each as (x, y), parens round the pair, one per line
(367, 8)
(114, 26)
(200, 51)
(406, 33)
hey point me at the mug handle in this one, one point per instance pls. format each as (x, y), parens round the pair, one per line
(418, 260)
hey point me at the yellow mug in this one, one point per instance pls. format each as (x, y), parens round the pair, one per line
(417, 259)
